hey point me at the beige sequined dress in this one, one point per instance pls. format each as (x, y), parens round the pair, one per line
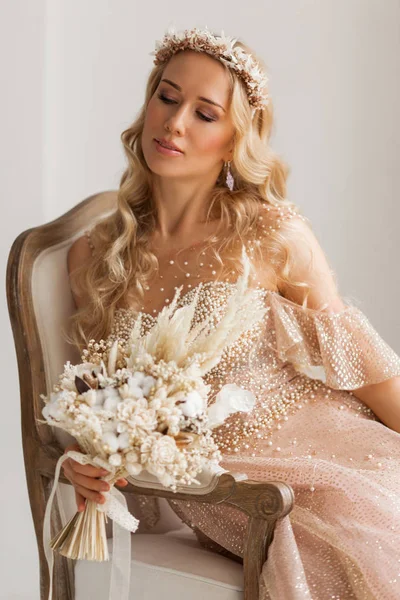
(342, 538)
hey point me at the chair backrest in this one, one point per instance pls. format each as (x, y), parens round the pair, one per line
(40, 302)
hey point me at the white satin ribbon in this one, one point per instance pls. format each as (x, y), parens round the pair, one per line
(123, 524)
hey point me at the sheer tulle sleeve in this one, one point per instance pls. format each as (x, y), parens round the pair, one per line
(345, 344)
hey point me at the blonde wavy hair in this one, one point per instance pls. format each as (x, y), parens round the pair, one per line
(122, 264)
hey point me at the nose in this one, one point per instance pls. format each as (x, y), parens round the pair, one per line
(175, 122)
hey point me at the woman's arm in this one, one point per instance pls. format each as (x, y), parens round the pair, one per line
(383, 398)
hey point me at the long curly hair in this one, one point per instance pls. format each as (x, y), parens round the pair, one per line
(122, 262)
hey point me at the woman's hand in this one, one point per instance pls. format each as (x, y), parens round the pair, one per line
(85, 479)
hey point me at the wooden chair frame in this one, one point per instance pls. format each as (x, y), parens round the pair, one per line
(263, 502)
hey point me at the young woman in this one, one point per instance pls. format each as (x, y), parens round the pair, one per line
(201, 182)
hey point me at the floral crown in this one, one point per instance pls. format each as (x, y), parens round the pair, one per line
(222, 48)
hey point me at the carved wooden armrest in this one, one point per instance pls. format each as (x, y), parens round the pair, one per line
(260, 500)
(263, 502)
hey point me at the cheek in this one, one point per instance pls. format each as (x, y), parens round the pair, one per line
(212, 143)
(154, 113)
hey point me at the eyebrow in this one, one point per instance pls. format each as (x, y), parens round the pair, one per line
(178, 87)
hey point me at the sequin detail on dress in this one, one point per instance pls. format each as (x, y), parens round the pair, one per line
(341, 461)
(341, 540)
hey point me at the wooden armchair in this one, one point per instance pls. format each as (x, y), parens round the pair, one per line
(39, 303)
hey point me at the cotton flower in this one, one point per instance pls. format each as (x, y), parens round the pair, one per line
(147, 384)
(133, 465)
(53, 411)
(115, 460)
(124, 440)
(193, 405)
(131, 389)
(110, 439)
(112, 399)
(133, 468)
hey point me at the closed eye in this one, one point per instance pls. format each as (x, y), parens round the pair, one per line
(169, 101)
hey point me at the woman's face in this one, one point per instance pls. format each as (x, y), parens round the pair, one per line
(202, 130)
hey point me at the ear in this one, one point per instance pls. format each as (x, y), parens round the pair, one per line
(229, 155)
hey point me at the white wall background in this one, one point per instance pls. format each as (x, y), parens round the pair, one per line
(73, 75)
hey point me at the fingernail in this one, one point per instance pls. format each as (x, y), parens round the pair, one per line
(103, 472)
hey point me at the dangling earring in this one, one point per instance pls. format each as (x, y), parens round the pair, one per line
(229, 179)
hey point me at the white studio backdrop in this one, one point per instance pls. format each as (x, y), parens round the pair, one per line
(73, 78)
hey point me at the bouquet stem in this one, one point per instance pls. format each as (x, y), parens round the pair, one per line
(84, 536)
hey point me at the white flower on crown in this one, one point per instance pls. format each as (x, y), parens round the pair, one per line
(222, 48)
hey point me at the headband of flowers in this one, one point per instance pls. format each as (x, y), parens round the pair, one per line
(222, 48)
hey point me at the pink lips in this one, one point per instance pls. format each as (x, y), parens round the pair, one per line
(167, 151)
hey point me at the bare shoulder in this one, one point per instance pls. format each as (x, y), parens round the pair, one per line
(79, 253)
(274, 217)
(310, 264)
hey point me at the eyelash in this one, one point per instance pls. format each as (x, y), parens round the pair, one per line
(169, 101)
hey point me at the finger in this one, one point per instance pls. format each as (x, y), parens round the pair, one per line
(88, 470)
(121, 482)
(80, 501)
(68, 473)
(90, 494)
(91, 483)
(74, 447)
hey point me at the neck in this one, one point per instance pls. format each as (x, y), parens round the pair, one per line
(181, 207)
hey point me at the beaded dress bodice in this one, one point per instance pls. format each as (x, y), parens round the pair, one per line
(268, 359)
(312, 433)
(272, 360)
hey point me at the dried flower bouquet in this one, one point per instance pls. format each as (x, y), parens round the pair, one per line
(143, 406)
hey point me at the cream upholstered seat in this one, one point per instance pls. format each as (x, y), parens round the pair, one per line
(166, 565)
(169, 558)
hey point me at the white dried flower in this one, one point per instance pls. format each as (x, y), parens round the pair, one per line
(158, 453)
(53, 411)
(132, 464)
(89, 397)
(115, 460)
(193, 405)
(140, 421)
(110, 439)
(133, 468)
(124, 440)
(131, 389)
(111, 399)
(147, 384)
(133, 455)
(230, 399)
